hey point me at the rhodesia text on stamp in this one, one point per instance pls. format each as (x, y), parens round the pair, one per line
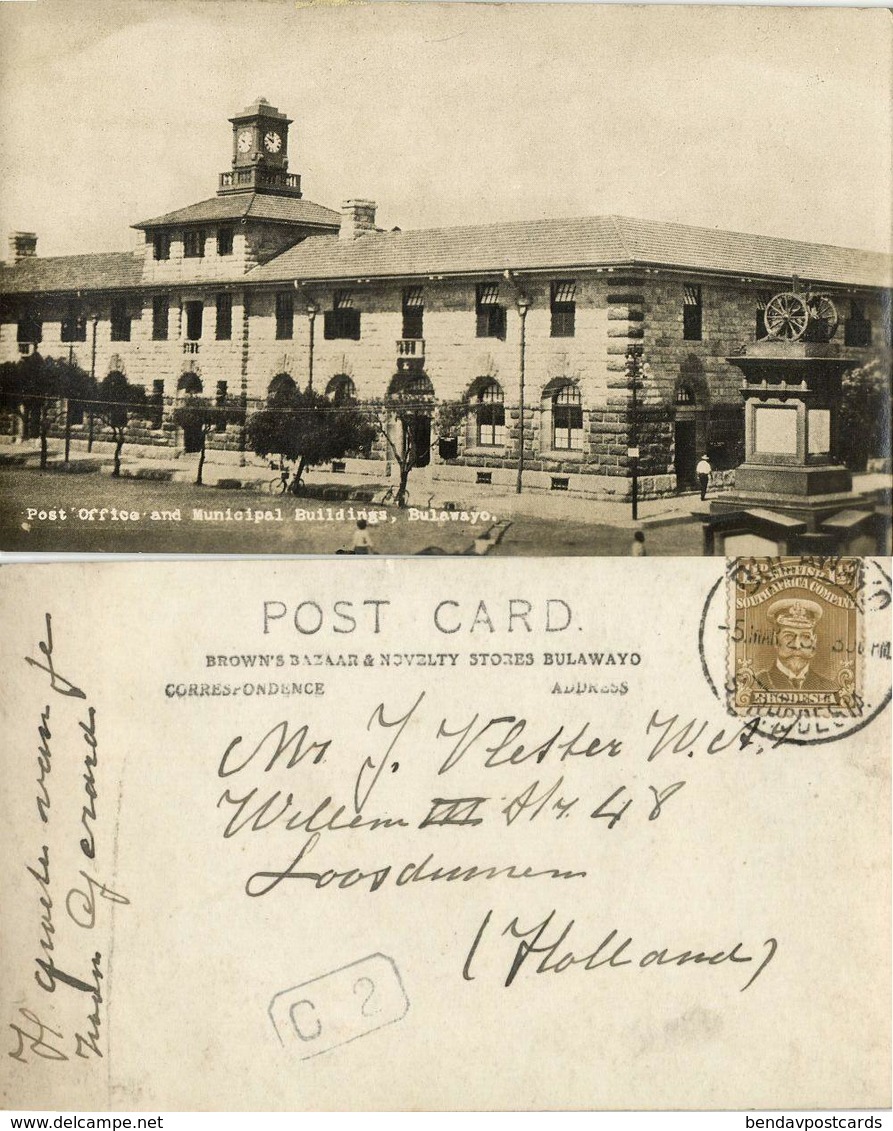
(797, 630)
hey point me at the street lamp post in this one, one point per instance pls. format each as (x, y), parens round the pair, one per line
(523, 305)
(634, 371)
(312, 311)
(95, 320)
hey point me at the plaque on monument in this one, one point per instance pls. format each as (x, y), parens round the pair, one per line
(776, 430)
(818, 425)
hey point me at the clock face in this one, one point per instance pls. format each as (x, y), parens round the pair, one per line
(272, 142)
(243, 141)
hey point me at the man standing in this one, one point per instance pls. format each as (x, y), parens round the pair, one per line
(703, 470)
(794, 621)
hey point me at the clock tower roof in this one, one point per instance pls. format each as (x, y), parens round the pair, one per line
(260, 108)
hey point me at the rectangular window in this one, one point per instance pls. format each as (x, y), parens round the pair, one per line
(564, 308)
(857, 328)
(224, 327)
(156, 402)
(161, 245)
(692, 314)
(194, 316)
(160, 318)
(490, 315)
(30, 328)
(343, 321)
(413, 313)
(224, 241)
(75, 413)
(74, 324)
(120, 321)
(194, 243)
(285, 315)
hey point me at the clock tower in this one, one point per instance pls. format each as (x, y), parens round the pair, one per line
(260, 153)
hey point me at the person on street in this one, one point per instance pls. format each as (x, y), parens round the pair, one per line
(637, 549)
(703, 472)
(362, 543)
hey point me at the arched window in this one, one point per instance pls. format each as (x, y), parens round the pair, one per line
(281, 387)
(341, 389)
(491, 415)
(567, 418)
(685, 395)
(190, 383)
(411, 384)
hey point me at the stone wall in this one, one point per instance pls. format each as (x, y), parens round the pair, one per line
(614, 310)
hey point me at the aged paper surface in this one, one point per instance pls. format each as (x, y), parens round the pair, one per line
(308, 836)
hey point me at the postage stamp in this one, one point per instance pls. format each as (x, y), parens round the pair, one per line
(338, 1007)
(796, 638)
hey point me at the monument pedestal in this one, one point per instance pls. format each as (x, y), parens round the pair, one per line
(791, 495)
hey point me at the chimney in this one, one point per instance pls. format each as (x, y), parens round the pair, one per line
(357, 218)
(22, 245)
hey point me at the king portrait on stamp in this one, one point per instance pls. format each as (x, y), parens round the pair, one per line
(796, 640)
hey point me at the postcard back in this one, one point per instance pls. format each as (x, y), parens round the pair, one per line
(306, 836)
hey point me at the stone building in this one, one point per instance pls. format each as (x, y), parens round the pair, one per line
(527, 324)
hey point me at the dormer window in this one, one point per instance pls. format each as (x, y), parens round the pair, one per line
(161, 245)
(193, 243)
(224, 241)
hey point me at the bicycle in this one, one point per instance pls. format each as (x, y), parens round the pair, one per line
(388, 496)
(285, 483)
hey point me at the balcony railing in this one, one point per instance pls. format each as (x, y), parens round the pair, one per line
(258, 177)
(410, 347)
(190, 347)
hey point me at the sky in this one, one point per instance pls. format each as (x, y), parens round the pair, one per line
(767, 120)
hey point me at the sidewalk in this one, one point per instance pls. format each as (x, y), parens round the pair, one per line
(423, 493)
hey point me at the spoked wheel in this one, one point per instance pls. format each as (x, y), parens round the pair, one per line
(786, 317)
(823, 311)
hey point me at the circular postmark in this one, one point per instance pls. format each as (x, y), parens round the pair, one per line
(799, 646)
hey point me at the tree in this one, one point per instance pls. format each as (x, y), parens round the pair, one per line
(864, 426)
(33, 387)
(117, 402)
(305, 428)
(207, 416)
(410, 405)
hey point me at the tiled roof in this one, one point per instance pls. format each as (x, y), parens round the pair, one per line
(488, 249)
(249, 205)
(108, 270)
(570, 243)
(712, 249)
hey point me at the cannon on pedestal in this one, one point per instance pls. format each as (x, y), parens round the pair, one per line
(793, 317)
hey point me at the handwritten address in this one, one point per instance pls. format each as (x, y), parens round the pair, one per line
(268, 785)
